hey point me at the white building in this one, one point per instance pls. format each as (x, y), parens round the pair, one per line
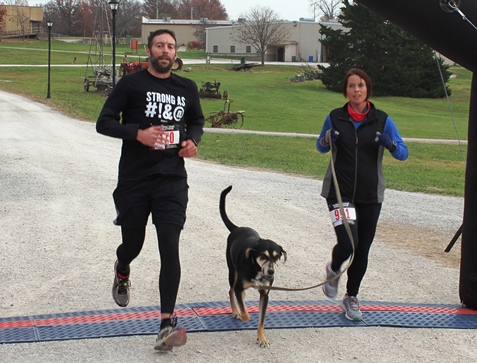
(303, 43)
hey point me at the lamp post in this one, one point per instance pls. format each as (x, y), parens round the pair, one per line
(114, 5)
(49, 23)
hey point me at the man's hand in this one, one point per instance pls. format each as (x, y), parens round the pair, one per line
(188, 149)
(154, 137)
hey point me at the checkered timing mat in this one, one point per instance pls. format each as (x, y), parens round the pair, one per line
(216, 316)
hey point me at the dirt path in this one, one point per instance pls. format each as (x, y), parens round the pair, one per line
(57, 247)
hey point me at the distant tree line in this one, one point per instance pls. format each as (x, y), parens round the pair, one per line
(85, 17)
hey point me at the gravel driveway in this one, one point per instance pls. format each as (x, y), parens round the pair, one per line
(57, 247)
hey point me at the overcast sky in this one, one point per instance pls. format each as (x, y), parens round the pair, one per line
(286, 9)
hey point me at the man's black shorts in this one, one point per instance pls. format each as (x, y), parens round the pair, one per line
(163, 196)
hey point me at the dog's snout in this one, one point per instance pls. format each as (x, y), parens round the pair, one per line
(270, 271)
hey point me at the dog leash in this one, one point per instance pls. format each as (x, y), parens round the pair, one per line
(345, 223)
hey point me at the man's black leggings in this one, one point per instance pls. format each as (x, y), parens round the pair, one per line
(170, 273)
(363, 231)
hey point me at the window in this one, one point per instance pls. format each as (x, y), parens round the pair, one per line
(248, 49)
(215, 49)
(232, 49)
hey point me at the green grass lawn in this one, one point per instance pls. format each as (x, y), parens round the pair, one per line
(271, 103)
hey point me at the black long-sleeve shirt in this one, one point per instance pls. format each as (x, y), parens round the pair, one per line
(140, 100)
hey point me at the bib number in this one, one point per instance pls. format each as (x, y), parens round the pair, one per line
(337, 217)
(170, 139)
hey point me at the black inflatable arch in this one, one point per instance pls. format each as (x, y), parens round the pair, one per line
(448, 27)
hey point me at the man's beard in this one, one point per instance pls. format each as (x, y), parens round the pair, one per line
(154, 61)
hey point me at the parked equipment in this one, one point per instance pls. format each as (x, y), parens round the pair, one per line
(131, 67)
(225, 118)
(211, 90)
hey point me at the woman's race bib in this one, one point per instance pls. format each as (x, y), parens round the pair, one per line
(337, 217)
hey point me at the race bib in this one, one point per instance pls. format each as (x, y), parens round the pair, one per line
(337, 217)
(169, 139)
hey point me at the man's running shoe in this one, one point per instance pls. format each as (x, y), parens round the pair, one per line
(121, 286)
(330, 289)
(171, 336)
(350, 305)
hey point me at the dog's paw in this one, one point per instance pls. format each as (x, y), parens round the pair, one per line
(237, 316)
(245, 317)
(263, 342)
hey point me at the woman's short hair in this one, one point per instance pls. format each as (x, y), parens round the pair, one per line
(362, 74)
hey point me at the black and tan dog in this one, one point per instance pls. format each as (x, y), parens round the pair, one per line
(252, 262)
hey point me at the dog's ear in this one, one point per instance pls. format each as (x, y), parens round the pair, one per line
(283, 254)
(249, 251)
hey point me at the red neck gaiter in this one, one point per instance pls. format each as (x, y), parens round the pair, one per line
(356, 115)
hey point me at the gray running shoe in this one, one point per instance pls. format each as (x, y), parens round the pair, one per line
(120, 288)
(330, 289)
(169, 337)
(350, 305)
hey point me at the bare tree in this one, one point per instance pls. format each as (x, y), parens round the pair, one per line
(157, 9)
(261, 27)
(19, 17)
(329, 9)
(197, 9)
(128, 21)
(63, 15)
(3, 15)
(15, 2)
(22, 21)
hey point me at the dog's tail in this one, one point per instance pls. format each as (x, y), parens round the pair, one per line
(228, 223)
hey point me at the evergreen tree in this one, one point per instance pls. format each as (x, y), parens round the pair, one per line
(398, 63)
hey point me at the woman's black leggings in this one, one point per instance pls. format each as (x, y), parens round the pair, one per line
(363, 231)
(170, 273)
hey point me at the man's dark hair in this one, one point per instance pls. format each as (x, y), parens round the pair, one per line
(159, 32)
(361, 74)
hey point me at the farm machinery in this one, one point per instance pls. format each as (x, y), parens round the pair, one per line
(211, 90)
(226, 118)
(131, 67)
(102, 76)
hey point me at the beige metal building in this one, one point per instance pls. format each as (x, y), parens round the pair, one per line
(186, 30)
(21, 21)
(303, 43)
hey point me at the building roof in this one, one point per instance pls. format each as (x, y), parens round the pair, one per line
(168, 20)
